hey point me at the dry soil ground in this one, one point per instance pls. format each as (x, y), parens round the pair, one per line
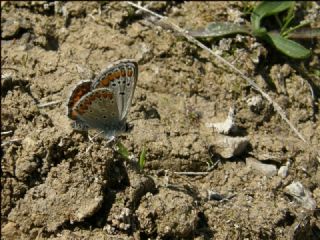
(262, 181)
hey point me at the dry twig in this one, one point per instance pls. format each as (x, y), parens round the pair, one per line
(6, 133)
(48, 104)
(192, 173)
(11, 141)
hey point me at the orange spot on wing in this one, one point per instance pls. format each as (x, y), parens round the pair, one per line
(93, 98)
(123, 73)
(105, 82)
(107, 95)
(130, 73)
(117, 74)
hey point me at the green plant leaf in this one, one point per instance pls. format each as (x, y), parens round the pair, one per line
(289, 47)
(265, 9)
(214, 30)
(142, 158)
(268, 8)
(123, 150)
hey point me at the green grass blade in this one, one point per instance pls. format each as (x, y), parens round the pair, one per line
(142, 158)
(268, 8)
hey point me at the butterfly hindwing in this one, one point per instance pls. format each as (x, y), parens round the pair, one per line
(80, 90)
(98, 109)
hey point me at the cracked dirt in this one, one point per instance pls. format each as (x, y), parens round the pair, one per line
(55, 187)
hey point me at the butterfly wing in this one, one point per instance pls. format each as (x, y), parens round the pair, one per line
(80, 90)
(121, 79)
(98, 109)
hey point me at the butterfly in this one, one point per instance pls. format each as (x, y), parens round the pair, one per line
(104, 103)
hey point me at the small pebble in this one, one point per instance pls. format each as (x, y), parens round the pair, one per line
(283, 171)
(268, 170)
(301, 195)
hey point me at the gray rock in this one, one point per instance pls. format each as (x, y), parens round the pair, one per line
(268, 170)
(301, 195)
(229, 147)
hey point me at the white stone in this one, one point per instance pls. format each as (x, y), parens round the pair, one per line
(283, 171)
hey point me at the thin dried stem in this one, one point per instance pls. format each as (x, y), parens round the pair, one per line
(48, 104)
(6, 133)
(192, 173)
(11, 141)
(225, 62)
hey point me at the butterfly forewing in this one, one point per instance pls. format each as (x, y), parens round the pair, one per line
(121, 79)
(129, 87)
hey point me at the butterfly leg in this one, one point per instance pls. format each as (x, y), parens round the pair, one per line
(91, 140)
(112, 138)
